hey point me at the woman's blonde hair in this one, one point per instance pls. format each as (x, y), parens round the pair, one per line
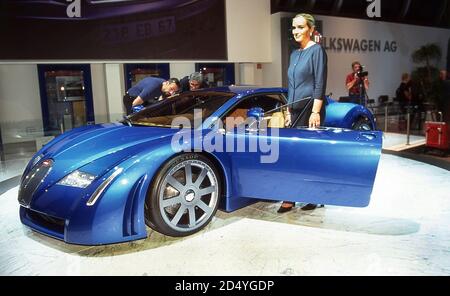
(310, 20)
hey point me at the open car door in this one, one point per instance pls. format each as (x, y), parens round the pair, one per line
(322, 166)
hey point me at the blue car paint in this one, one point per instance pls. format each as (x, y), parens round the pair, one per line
(117, 210)
(329, 166)
(320, 174)
(344, 115)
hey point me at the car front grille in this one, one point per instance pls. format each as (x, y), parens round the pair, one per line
(48, 222)
(32, 181)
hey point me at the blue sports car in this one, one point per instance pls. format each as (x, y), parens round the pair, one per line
(172, 165)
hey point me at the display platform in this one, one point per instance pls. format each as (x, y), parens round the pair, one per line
(404, 231)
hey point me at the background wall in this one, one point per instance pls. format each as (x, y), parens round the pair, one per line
(251, 74)
(272, 72)
(254, 36)
(180, 70)
(385, 68)
(99, 93)
(20, 104)
(248, 24)
(115, 88)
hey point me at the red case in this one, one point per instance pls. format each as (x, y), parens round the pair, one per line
(437, 135)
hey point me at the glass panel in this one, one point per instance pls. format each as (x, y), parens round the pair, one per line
(165, 112)
(137, 75)
(66, 100)
(214, 76)
(217, 75)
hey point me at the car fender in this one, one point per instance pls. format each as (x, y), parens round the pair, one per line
(119, 214)
(344, 115)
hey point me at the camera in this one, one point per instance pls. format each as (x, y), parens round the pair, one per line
(361, 73)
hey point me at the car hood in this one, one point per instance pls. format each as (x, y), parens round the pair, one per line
(102, 146)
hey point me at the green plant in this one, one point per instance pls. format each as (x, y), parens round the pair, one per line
(427, 76)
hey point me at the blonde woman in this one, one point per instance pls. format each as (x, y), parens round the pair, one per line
(307, 79)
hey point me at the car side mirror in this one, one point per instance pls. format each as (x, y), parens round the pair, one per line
(258, 114)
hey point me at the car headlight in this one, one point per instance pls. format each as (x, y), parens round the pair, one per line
(77, 179)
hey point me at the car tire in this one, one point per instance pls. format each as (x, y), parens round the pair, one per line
(184, 196)
(362, 124)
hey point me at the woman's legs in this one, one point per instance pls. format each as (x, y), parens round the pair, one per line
(286, 206)
(300, 118)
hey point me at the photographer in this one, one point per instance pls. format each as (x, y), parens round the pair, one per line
(357, 82)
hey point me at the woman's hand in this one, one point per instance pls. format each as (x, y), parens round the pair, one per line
(287, 120)
(314, 120)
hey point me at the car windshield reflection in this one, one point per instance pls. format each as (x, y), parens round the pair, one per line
(164, 113)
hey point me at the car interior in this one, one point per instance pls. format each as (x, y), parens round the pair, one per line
(269, 103)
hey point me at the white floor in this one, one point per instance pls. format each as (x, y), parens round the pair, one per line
(392, 141)
(404, 231)
(12, 168)
(16, 159)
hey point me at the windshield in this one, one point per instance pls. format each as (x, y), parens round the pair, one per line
(165, 112)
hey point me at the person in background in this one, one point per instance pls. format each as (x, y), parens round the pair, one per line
(445, 93)
(193, 82)
(307, 79)
(404, 92)
(149, 91)
(443, 75)
(355, 83)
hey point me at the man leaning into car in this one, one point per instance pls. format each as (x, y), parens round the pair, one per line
(149, 91)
